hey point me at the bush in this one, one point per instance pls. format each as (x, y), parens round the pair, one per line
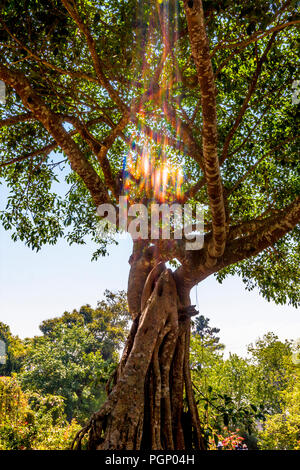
(42, 427)
(282, 431)
(16, 418)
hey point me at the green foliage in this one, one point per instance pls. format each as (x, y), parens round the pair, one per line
(107, 323)
(208, 335)
(274, 368)
(76, 355)
(275, 272)
(14, 416)
(22, 427)
(224, 389)
(282, 430)
(238, 393)
(67, 363)
(61, 375)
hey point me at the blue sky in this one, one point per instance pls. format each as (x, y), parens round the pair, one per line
(36, 286)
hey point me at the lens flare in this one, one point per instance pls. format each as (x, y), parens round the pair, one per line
(155, 138)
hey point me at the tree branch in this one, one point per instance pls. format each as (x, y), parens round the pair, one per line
(12, 120)
(33, 55)
(275, 227)
(247, 99)
(72, 10)
(262, 233)
(255, 37)
(46, 150)
(53, 123)
(201, 55)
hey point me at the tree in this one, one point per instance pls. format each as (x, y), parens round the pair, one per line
(242, 393)
(21, 427)
(68, 363)
(13, 416)
(205, 90)
(76, 355)
(207, 334)
(274, 370)
(225, 392)
(107, 324)
(282, 430)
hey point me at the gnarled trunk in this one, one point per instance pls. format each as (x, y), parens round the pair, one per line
(145, 408)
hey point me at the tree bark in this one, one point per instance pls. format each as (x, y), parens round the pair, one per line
(145, 408)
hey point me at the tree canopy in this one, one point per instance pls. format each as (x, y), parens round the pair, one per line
(107, 324)
(69, 365)
(206, 87)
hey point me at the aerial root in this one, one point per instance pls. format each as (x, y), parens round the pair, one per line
(145, 408)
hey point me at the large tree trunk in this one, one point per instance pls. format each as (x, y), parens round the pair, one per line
(145, 408)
